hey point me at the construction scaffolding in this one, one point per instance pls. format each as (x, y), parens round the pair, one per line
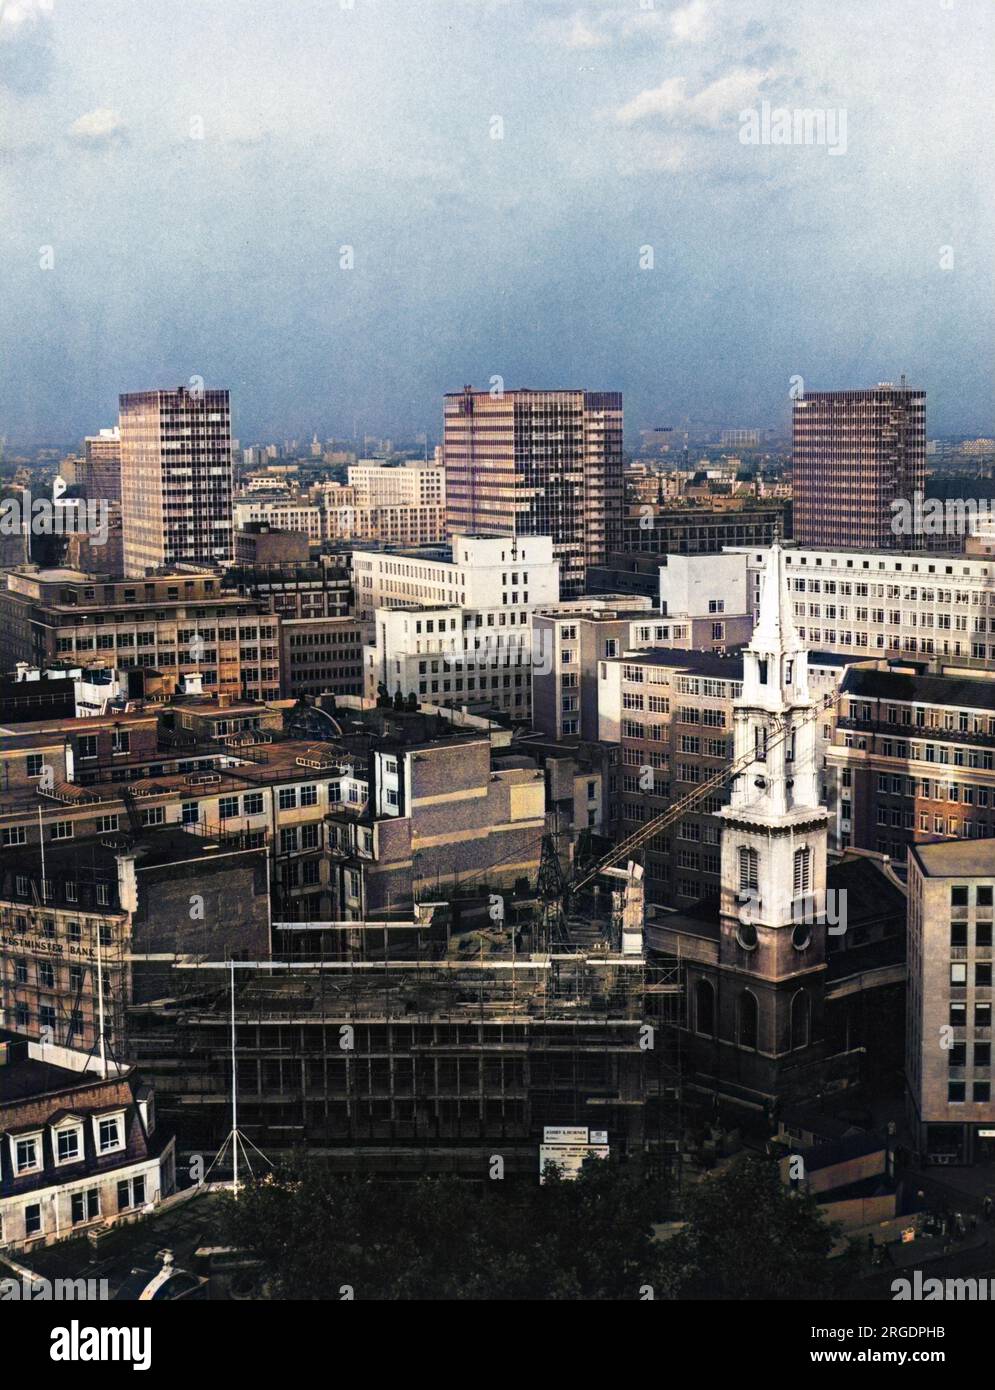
(404, 1047)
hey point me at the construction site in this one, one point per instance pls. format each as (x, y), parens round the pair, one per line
(408, 1046)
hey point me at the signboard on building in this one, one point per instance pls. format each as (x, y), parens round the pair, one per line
(568, 1147)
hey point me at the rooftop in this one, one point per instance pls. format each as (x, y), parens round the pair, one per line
(961, 692)
(699, 663)
(957, 859)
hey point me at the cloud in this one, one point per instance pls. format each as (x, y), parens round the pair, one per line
(17, 15)
(26, 40)
(650, 153)
(708, 107)
(691, 23)
(574, 33)
(98, 127)
(656, 101)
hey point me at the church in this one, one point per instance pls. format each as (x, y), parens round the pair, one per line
(795, 970)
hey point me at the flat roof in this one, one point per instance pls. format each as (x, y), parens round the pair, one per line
(962, 692)
(699, 663)
(957, 858)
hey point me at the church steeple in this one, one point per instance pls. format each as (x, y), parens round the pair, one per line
(771, 714)
(774, 836)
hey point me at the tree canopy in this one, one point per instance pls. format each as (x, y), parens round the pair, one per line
(323, 1236)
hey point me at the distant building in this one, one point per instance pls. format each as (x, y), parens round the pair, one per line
(102, 478)
(176, 478)
(568, 642)
(699, 529)
(259, 543)
(740, 439)
(283, 513)
(854, 454)
(948, 1041)
(323, 655)
(537, 463)
(410, 485)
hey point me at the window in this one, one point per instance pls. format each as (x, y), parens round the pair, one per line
(85, 1205)
(68, 1144)
(802, 872)
(62, 830)
(27, 1155)
(120, 741)
(309, 795)
(746, 1020)
(252, 804)
(748, 869)
(800, 1016)
(288, 798)
(704, 1007)
(32, 1219)
(88, 746)
(36, 763)
(130, 1193)
(109, 1134)
(228, 807)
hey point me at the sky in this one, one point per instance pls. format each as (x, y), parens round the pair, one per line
(342, 209)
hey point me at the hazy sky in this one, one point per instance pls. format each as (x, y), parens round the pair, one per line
(370, 125)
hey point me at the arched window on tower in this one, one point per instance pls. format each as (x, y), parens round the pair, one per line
(801, 1016)
(749, 867)
(746, 1020)
(704, 1008)
(803, 872)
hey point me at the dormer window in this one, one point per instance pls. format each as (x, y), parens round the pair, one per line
(67, 1140)
(109, 1133)
(27, 1154)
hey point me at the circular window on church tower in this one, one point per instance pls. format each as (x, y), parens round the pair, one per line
(801, 935)
(746, 935)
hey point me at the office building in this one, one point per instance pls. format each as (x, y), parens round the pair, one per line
(176, 479)
(854, 454)
(102, 473)
(537, 463)
(171, 625)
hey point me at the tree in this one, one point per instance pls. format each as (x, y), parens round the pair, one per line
(446, 1238)
(748, 1237)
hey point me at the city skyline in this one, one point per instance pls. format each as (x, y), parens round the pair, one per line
(334, 222)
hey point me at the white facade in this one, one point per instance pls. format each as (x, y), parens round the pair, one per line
(489, 574)
(703, 586)
(282, 515)
(774, 837)
(881, 603)
(411, 485)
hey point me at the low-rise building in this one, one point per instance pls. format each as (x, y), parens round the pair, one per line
(169, 624)
(79, 1145)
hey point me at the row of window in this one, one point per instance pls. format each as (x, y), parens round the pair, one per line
(85, 1206)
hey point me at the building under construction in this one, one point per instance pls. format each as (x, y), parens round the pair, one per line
(402, 1047)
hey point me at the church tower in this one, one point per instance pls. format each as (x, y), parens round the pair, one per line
(772, 944)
